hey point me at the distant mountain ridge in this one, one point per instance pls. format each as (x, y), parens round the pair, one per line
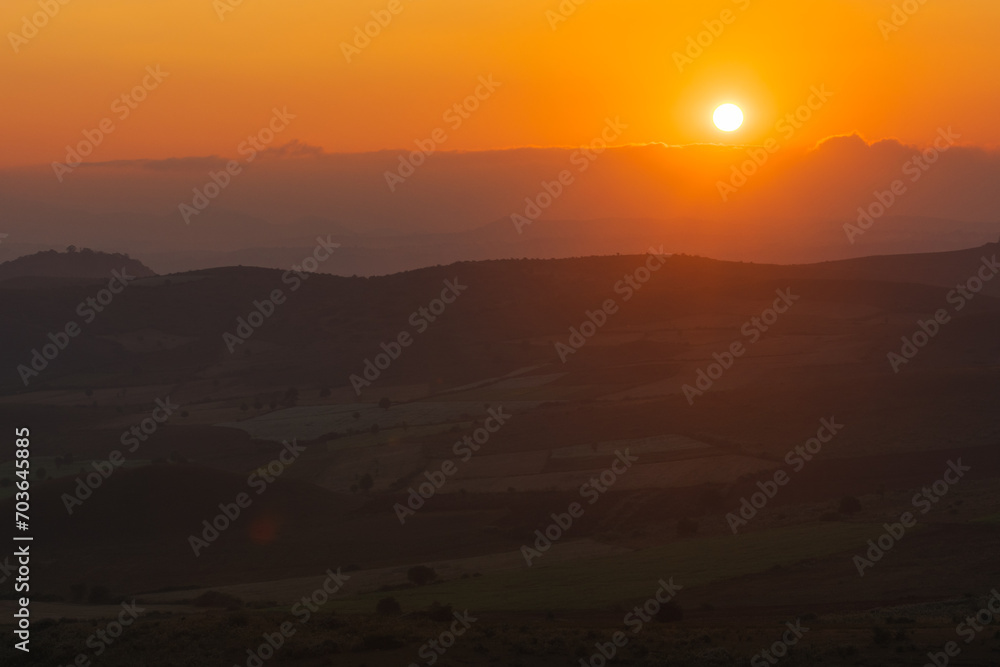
(73, 263)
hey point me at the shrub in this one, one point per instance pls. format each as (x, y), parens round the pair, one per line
(217, 599)
(366, 482)
(670, 613)
(100, 595)
(421, 575)
(382, 643)
(849, 505)
(78, 592)
(388, 607)
(687, 528)
(440, 612)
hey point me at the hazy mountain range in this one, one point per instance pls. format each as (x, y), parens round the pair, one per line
(459, 206)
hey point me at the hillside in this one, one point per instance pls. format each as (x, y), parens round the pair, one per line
(83, 264)
(585, 358)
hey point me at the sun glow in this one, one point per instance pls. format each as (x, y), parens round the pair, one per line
(728, 117)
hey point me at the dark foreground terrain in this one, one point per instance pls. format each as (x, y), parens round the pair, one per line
(741, 433)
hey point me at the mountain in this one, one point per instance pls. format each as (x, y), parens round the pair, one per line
(459, 206)
(706, 373)
(83, 264)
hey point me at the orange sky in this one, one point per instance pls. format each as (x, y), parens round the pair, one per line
(609, 59)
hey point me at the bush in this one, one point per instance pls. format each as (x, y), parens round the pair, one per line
(388, 607)
(849, 505)
(440, 612)
(366, 482)
(382, 643)
(78, 592)
(687, 528)
(217, 599)
(670, 613)
(100, 595)
(421, 575)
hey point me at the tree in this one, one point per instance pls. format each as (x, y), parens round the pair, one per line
(440, 612)
(849, 505)
(366, 483)
(671, 612)
(78, 592)
(100, 595)
(388, 607)
(687, 528)
(421, 575)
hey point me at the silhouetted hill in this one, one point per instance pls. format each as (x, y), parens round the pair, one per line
(84, 263)
(931, 268)
(253, 357)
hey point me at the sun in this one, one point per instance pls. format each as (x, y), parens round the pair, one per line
(728, 117)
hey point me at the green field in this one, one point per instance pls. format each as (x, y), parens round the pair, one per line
(602, 582)
(48, 463)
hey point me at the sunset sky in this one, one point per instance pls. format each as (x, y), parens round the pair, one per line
(607, 59)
